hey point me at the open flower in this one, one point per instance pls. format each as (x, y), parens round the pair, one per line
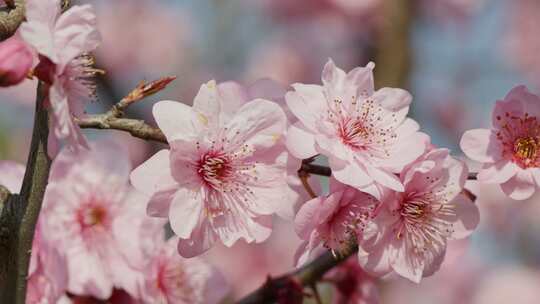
(510, 150)
(63, 42)
(365, 134)
(99, 221)
(336, 221)
(220, 180)
(172, 279)
(413, 226)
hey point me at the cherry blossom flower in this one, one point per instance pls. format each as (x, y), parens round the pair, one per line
(336, 221)
(413, 227)
(99, 221)
(220, 180)
(16, 60)
(364, 133)
(63, 42)
(352, 284)
(172, 279)
(47, 274)
(510, 150)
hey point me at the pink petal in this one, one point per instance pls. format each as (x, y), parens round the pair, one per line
(393, 99)
(362, 79)
(160, 202)
(386, 179)
(233, 96)
(148, 176)
(509, 106)
(349, 173)
(497, 173)
(178, 121)
(467, 219)
(481, 145)
(207, 103)
(38, 30)
(185, 211)
(402, 263)
(375, 257)
(306, 219)
(332, 76)
(63, 125)
(202, 238)
(75, 33)
(300, 142)
(307, 103)
(260, 123)
(521, 186)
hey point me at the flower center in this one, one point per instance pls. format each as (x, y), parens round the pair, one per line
(353, 132)
(423, 223)
(90, 217)
(526, 148)
(214, 169)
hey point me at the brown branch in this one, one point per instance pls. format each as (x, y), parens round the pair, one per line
(137, 128)
(306, 276)
(20, 211)
(113, 119)
(11, 16)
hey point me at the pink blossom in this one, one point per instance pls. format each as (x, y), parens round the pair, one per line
(63, 41)
(353, 285)
(47, 275)
(336, 221)
(413, 227)
(99, 221)
(510, 150)
(15, 61)
(220, 180)
(173, 279)
(364, 133)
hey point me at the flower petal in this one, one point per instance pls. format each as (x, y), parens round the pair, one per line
(202, 238)
(185, 211)
(497, 173)
(392, 99)
(75, 33)
(481, 145)
(178, 121)
(153, 173)
(300, 142)
(521, 186)
(467, 217)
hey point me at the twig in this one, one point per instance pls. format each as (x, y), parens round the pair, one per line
(20, 212)
(305, 276)
(11, 17)
(137, 128)
(113, 119)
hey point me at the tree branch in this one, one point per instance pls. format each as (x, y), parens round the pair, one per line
(113, 119)
(11, 16)
(307, 275)
(20, 211)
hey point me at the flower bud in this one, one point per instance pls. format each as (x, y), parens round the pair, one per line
(15, 61)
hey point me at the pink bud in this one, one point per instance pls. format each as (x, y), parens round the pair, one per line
(15, 61)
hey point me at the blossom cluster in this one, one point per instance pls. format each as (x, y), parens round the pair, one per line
(231, 165)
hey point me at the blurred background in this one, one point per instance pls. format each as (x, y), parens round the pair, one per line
(457, 57)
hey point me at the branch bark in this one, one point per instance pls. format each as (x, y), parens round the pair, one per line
(306, 276)
(11, 17)
(20, 211)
